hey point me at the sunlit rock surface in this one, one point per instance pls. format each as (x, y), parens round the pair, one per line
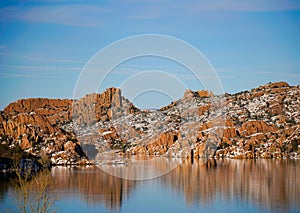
(261, 123)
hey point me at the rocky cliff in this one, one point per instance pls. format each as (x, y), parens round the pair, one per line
(261, 123)
(34, 125)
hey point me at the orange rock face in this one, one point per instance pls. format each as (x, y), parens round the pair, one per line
(55, 110)
(204, 93)
(101, 107)
(162, 144)
(38, 122)
(157, 146)
(189, 94)
(251, 127)
(33, 124)
(203, 109)
(261, 123)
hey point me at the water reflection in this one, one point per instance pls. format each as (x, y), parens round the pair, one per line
(270, 184)
(92, 185)
(266, 185)
(4, 186)
(142, 167)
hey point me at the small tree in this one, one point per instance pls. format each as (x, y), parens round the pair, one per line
(34, 192)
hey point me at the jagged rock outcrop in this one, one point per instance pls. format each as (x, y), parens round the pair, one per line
(101, 107)
(253, 127)
(203, 109)
(261, 123)
(35, 124)
(1, 117)
(57, 111)
(32, 123)
(189, 94)
(157, 146)
(204, 93)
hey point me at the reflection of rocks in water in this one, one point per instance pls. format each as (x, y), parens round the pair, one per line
(4, 185)
(272, 184)
(93, 185)
(141, 167)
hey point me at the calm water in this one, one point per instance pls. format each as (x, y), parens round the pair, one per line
(220, 186)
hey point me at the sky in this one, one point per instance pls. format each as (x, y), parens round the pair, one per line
(45, 44)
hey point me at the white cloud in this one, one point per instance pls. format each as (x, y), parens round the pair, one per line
(73, 15)
(41, 59)
(283, 74)
(247, 5)
(41, 68)
(151, 9)
(21, 75)
(95, 14)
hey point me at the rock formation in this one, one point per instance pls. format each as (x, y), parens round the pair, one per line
(101, 107)
(35, 124)
(261, 123)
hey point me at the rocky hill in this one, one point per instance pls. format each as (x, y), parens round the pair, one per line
(34, 125)
(261, 123)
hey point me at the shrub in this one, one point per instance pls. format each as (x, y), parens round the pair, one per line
(33, 193)
(295, 143)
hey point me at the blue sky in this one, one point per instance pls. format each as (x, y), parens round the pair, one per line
(45, 44)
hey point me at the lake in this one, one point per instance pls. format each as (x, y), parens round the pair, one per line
(219, 186)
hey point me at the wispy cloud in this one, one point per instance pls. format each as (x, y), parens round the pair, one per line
(152, 9)
(266, 72)
(247, 5)
(227, 5)
(40, 59)
(285, 74)
(41, 68)
(95, 13)
(73, 15)
(34, 71)
(22, 75)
